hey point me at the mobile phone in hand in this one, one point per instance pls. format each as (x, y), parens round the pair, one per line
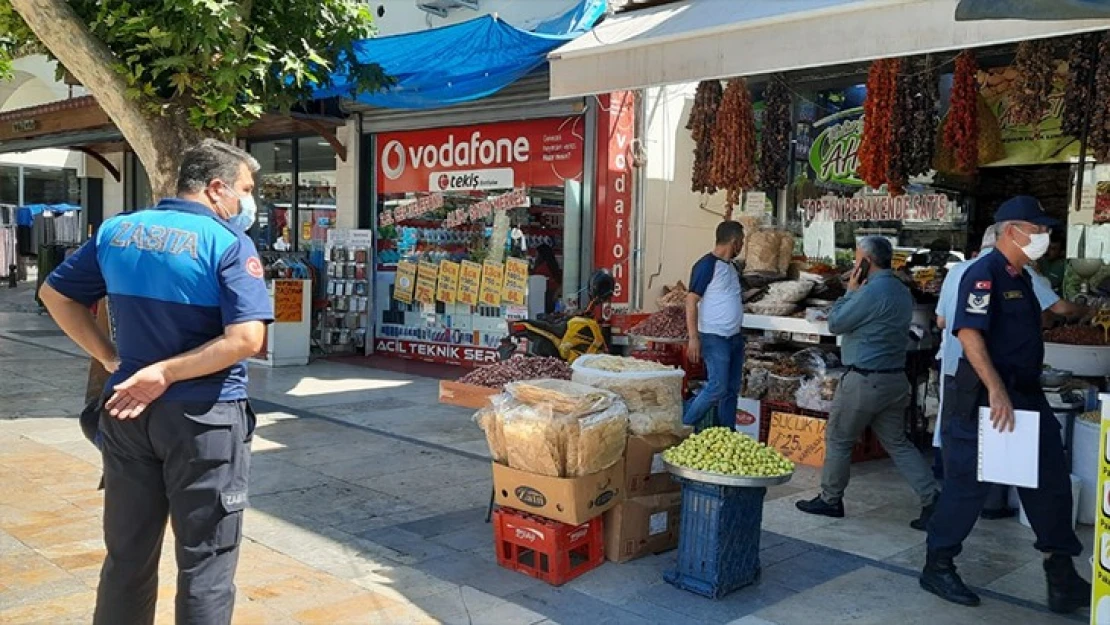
(864, 269)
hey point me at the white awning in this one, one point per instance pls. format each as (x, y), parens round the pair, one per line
(702, 39)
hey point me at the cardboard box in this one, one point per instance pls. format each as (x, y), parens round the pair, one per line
(465, 395)
(573, 500)
(642, 526)
(643, 465)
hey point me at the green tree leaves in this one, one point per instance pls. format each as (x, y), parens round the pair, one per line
(219, 63)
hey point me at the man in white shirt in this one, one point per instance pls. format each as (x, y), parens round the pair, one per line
(714, 315)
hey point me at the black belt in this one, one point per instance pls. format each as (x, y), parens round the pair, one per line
(852, 368)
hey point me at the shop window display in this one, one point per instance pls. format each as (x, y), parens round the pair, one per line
(9, 185)
(471, 232)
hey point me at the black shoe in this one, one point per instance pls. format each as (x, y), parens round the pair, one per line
(921, 523)
(941, 579)
(998, 514)
(821, 507)
(1067, 591)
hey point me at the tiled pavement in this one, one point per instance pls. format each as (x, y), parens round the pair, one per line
(368, 502)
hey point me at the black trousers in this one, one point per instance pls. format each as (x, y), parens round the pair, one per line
(190, 463)
(1049, 506)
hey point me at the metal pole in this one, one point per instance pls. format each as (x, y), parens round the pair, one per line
(1084, 135)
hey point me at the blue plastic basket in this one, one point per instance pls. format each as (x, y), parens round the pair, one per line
(718, 541)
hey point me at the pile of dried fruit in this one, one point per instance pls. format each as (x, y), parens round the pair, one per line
(703, 117)
(517, 369)
(732, 168)
(775, 148)
(1076, 335)
(669, 323)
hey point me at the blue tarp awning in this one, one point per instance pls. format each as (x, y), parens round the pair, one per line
(25, 215)
(463, 62)
(1033, 9)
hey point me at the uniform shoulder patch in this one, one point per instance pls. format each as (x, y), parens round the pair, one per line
(254, 267)
(983, 285)
(978, 304)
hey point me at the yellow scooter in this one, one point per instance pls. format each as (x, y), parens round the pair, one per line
(561, 336)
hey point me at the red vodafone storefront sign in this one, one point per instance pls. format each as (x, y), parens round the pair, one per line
(537, 153)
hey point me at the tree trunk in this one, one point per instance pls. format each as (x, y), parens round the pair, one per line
(158, 141)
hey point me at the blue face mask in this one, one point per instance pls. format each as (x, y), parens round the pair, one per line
(247, 213)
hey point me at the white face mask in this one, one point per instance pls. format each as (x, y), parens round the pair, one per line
(1037, 247)
(248, 210)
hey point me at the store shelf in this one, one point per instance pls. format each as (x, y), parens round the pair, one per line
(786, 324)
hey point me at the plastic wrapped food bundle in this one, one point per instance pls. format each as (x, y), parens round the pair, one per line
(811, 395)
(756, 381)
(789, 292)
(567, 398)
(596, 442)
(782, 388)
(489, 420)
(534, 438)
(653, 397)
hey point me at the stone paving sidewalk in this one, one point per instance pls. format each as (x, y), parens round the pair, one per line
(368, 503)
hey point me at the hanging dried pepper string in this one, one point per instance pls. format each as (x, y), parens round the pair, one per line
(703, 117)
(1035, 65)
(961, 128)
(734, 144)
(1078, 91)
(775, 146)
(1099, 136)
(875, 146)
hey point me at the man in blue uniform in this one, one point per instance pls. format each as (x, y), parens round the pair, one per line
(188, 305)
(951, 351)
(998, 323)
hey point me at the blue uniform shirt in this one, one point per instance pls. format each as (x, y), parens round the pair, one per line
(950, 348)
(175, 276)
(999, 301)
(875, 321)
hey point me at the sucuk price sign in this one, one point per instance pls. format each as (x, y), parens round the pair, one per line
(426, 283)
(405, 282)
(493, 275)
(470, 283)
(448, 282)
(800, 438)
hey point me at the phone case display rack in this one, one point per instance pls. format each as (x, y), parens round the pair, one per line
(346, 319)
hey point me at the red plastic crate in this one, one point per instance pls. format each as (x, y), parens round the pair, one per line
(867, 447)
(623, 322)
(548, 550)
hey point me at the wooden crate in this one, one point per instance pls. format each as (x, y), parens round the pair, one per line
(464, 395)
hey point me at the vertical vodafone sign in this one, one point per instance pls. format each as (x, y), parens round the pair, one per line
(537, 153)
(612, 231)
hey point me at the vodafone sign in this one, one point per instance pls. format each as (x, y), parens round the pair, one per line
(536, 153)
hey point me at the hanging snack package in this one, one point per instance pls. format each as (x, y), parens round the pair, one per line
(762, 252)
(596, 442)
(567, 398)
(489, 420)
(652, 392)
(533, 438)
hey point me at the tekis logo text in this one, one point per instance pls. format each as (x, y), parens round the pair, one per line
(475, 152)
